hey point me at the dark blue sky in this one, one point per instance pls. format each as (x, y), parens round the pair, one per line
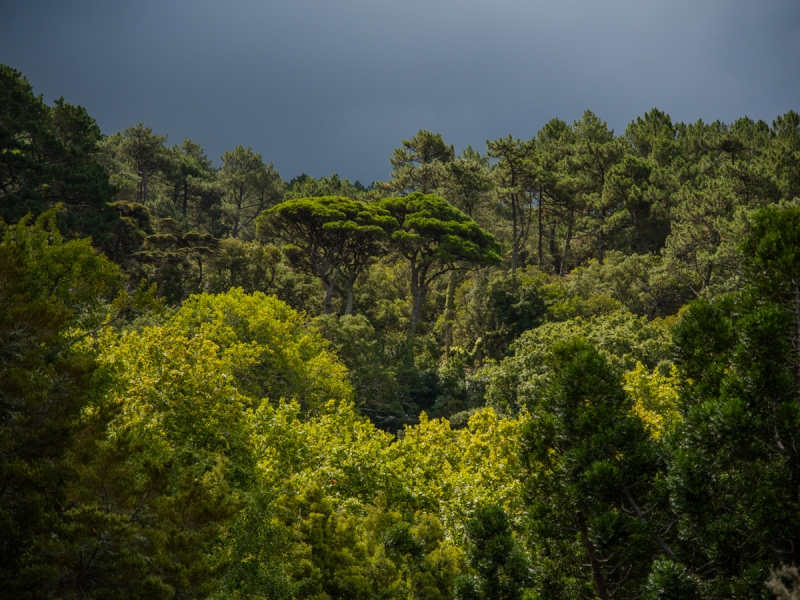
(322, 86)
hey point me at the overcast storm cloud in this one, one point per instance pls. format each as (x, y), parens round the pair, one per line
(322, 86)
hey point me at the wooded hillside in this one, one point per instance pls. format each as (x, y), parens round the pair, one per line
(564, 367)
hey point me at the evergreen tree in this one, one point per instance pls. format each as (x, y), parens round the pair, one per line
(773, 248)
(468, 181)
(435, 238)
(591, 469)
(249, 187)
(327, 236)
(49, 155)
(501, 568)
(734, 477)
(190, 177)
(48, 287)
(512, 174)
(419, 165)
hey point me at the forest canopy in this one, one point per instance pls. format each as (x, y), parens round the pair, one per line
(558, 368)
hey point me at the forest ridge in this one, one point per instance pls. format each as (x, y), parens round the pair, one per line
(560, 368)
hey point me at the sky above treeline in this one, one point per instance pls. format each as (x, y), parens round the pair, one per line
(323, 86)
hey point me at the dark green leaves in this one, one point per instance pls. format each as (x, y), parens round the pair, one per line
(48, 155)
(431, 226)
(328, 236)
(501, 569)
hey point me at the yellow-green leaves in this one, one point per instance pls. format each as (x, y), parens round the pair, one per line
(338, 450)
(235, 400)
(195, 376)
(432, 467)
(176, 388)
(521, 380)
(655, 398)
(185, 399)
(68, 273)
(271, 351)
(452, 471)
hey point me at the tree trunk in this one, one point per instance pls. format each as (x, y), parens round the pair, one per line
(348, 307)
(449, 313)
(419, 291)
(796, 290)
(185, 197)
(416, 296)
(329, 289)
(597, 573)
(514, 235)
(794, 544)
(237, 217)
(601, 246)
(707, 277)
(541, 226)
(664, 546)
(637, 224)
(144, 186)
(563, 268)
(419, 299)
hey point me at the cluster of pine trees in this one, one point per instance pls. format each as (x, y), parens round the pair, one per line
(567, 367)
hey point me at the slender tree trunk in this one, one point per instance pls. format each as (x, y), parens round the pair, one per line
(525, 223)
(329, 289)
(795, 542)
(117, 245)
(597, 573)
(796, 290)
(514, 234)
(664, 546)
(637, 224)
(449, 313)
(419, 290)
(419, 300)
(541, 226)
(707, 277)
(601, 246)
(794, 548)
(417, 305)
(144, 186)
(570, 218)
(348, 307)
(238, 216)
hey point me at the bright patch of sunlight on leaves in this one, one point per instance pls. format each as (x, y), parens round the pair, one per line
(655, 398)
